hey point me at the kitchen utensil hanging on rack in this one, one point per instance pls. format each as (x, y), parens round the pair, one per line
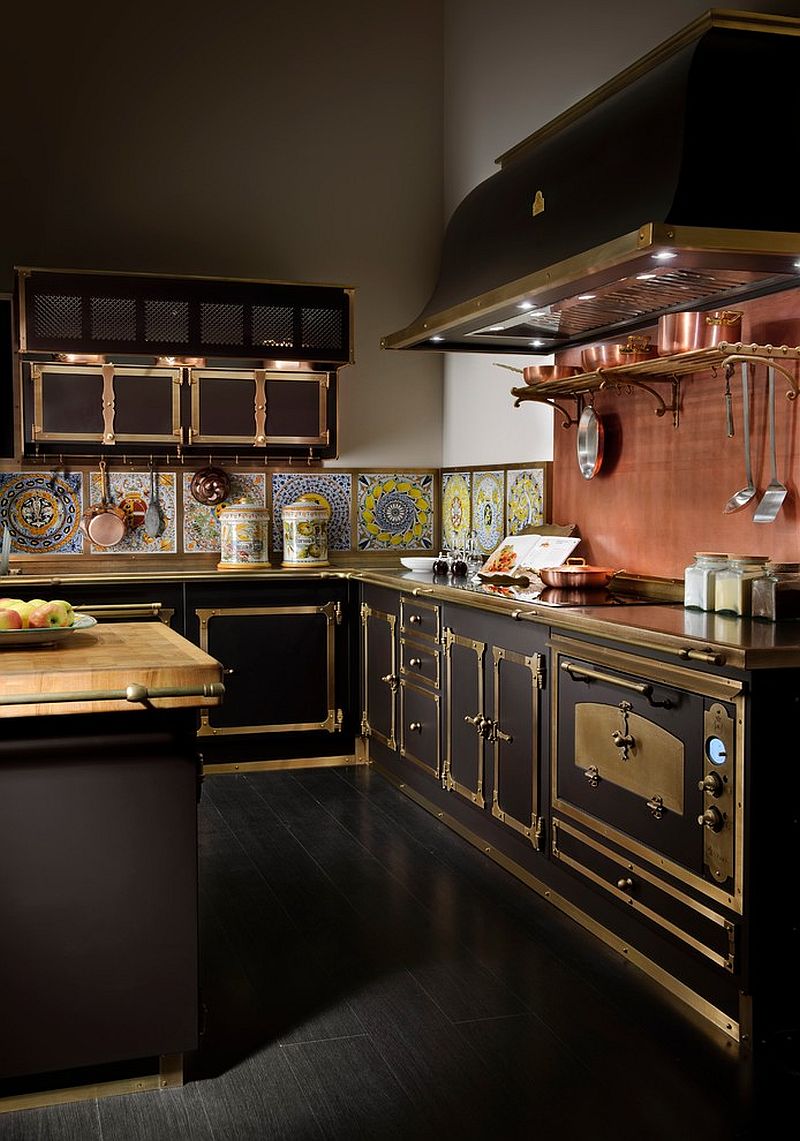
(104, 523)
(153, 519)
(210, 486)
(772, 499)
(742, 497)
(589, 443)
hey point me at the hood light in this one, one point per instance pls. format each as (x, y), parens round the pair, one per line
(664, 255)
(646, 276)
(525, 305)
(437, 338)
(586, 296)
(537, 344)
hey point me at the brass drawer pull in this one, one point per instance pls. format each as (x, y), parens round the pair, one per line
(625, 884)
(415, 662)
(483, 725)
(414, 619)
(415, 726)
(710, 657)
(643, 688)
(391, 681)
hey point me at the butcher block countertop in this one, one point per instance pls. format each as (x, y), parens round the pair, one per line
(113, 667)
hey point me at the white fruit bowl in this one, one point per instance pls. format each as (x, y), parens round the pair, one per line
(421, 564)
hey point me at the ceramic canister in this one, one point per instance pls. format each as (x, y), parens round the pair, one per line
(305, 532)
(243, 536)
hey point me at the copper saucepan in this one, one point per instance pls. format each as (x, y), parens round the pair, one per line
(575, 574)
(536, 373)
(104, 523)
(613, 353)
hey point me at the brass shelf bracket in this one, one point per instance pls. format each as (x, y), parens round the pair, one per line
(568, 421)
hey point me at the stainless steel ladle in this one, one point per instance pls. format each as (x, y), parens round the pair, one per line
(741, 498)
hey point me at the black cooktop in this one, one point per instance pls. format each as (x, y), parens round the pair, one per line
(551, 596)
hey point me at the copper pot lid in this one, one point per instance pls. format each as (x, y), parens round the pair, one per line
(210, 486)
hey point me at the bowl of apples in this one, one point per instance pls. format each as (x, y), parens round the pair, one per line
(39, 621)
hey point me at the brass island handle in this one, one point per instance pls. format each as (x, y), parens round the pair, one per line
(135, 692)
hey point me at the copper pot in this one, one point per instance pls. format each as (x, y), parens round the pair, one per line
(536, 373)
(613, 353)
(210, 486)
(104, 523)
(722, 325)
(681, 333)
(575, 574)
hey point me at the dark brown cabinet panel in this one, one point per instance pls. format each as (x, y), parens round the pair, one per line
(259, 408)
(379, 677)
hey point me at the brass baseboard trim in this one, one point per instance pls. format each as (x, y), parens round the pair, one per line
(694, 1001)
(292, 763)
(170, 1074)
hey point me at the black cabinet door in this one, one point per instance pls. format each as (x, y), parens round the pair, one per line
(379, 678)
(466, 725)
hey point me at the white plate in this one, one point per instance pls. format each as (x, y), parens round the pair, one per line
(44, 635)
(418, 564)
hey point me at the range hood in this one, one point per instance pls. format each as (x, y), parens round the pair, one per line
(668, 189)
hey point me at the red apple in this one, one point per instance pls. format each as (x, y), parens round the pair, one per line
(49, 615)
(10, 619)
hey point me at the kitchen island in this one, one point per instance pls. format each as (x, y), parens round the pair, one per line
(99, 781)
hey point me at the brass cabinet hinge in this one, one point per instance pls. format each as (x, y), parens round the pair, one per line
(366, 728)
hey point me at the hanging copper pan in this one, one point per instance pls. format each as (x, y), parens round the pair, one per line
(104, 523)
(210, 486)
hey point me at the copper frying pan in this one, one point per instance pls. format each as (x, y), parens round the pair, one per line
(104, 523)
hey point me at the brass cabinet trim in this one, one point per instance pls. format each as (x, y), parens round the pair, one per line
(367, 729)
(107, 410)
(126, 612)
(688, 680)
(409, 630)
(714, 1014)
(532, 830)
(417, 675)
(335, 718)
(726, 961)
(170, 1074)
(473, 795)
(404, 750)
(260, 434)
(707, 685)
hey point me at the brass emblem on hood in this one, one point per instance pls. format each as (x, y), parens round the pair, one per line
(538, 204)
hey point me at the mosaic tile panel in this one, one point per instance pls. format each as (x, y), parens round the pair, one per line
(488, 508)
(456, 509)
(43, 510)
(201, 523)
(524, 499)
(395, 511)
(130, 490)
(336, 488)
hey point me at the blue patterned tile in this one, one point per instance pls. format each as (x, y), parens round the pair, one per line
(395, 511)
(336, 488)
(42, 510)
(488, 508)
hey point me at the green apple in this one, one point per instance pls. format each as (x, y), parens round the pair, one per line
(48, 615)
(7, 603)
(23, 609)
(9, 619)
(69, 608)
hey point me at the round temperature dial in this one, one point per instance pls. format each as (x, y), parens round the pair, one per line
(716, 750)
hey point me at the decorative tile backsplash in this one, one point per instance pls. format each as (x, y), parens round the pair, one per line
(395, 511)
(130, 490)
(43, 510)
(488, 508)
(371, 511)
(201, 523)
(336, 488)
(456, 508)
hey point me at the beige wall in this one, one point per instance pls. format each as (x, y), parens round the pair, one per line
(248, 139)
(510, 67)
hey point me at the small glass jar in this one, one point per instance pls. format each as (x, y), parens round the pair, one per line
(699, 580)
(776, 596)
(734, 585)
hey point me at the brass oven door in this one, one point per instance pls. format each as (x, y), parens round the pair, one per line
(279, 669)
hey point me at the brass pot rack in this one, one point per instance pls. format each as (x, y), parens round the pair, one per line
(625, 379)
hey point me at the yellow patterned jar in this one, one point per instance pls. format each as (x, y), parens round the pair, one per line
(243, 528)
(305, 532)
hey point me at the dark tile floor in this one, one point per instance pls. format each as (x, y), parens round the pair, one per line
(367, 974)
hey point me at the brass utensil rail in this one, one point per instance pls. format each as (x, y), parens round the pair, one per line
(626, 378)
(134, 693)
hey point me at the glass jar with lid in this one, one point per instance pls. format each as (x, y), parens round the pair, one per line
(699, 580)
(776, 596)
(734, 584)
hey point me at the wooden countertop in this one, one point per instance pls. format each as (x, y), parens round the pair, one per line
(94, 668)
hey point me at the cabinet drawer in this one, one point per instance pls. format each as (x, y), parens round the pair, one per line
(646, 893)
(419, 728)
(419, 663)
(420, 619)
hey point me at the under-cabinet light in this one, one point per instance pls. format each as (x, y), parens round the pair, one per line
(664, 255)
(437, 338)
(586, 296)
(525, 305)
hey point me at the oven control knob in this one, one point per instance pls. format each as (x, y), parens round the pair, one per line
(712, 783)
(712, 818)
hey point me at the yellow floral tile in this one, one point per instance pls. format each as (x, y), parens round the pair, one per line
(395, 511)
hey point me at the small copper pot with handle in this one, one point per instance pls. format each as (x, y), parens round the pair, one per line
(104, 523)
(576, 574)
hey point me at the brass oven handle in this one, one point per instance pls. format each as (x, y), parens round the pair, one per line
(574, 670)
(708, 656)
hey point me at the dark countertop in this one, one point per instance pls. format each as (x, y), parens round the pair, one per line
(739, 643)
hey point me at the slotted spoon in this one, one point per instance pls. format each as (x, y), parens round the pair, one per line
(740, 498)
(773, 497)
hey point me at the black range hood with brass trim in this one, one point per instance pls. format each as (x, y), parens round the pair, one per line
(669, 188)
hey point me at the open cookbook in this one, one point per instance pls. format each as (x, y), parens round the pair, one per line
(521, 556)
